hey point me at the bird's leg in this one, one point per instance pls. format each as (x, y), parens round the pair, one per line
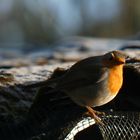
(92, 114)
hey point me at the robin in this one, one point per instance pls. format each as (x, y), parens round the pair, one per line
(93, 81)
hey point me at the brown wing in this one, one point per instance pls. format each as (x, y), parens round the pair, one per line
(83, 73)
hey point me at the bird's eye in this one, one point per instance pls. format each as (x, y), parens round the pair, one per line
(111, 57)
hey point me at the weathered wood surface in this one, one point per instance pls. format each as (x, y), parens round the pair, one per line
(19, 70)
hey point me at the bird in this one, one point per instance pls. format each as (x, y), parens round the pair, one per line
(93, 81)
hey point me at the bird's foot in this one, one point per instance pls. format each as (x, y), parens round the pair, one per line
(94, 114)
(99, 113)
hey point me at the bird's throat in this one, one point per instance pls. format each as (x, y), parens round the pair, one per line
(115, 79)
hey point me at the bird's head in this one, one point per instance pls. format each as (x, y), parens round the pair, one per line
(114, 58)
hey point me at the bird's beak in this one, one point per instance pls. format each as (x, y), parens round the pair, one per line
(121, 60)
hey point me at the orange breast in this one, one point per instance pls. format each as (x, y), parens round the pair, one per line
(115, 79)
